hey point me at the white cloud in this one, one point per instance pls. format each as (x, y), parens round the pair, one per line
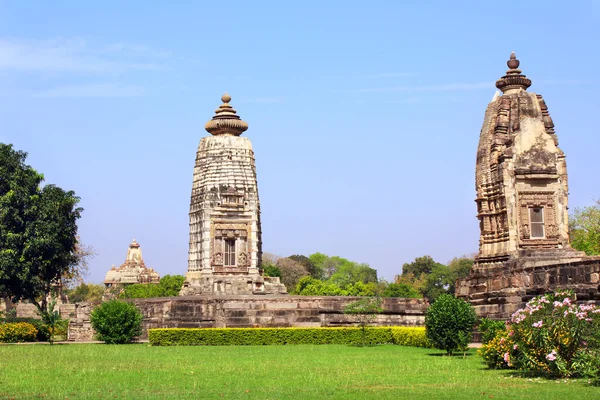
(70, 55)
(94, 90)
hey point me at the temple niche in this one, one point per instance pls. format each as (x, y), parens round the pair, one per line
(133, 270)
(522, 197)
(225, 234)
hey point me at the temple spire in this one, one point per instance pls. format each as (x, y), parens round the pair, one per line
(513, 78)
(226, 121)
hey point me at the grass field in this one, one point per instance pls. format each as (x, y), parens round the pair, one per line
(139, 371)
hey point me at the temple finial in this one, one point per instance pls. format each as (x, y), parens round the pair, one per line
(226, 121)
(226, 98)
(513, 63)
(513, 78)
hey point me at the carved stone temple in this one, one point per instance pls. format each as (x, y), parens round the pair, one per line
(133, 270)
(522, 196)
(225, 236)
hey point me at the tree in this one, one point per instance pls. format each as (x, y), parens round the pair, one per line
(168, 286)
(38, 231)
(308, 264)
(364, 312)
(88, 292)
(79, 269)
(291, 272)
(401, 290)
(421, 265)
(584, 225)
(449, 323)
(271, 270)
(460, 267)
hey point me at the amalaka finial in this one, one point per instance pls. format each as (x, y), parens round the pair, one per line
(513, 78)
(226, 121)
(513, 63)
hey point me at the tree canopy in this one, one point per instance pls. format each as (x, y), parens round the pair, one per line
(38, 231)
(584, 226)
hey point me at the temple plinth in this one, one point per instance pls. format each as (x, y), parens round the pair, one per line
(522, 197)
(225, 233)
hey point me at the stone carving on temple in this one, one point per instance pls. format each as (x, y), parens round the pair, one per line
(225, 247)
(522, 206)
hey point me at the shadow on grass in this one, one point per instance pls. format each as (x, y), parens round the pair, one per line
(513, 373)
(455, 355)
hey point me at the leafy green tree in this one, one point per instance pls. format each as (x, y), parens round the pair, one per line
(171, 285)
(88, 292)
(460, 267)
(116, 322)
(449, 323)
(401, 290)
(364, 312)
(271, 270)
(421, 265)
(584, 225)
(309, 286)
(38, 231)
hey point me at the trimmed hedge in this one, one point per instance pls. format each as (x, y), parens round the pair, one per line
(13, 332)
(410, 336)
(282, 336)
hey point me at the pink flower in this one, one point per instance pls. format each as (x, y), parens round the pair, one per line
(507, 359)
(538, 324)
(567, 300)
(551, 356)
(515, 347)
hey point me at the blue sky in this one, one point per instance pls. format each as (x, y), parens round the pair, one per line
(364, 116)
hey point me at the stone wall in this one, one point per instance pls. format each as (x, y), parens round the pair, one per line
(252, 311)
(498, 290)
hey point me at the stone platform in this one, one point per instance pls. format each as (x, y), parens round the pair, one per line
(497, 290)
(252, 311)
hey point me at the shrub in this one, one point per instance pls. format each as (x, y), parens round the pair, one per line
(489, 329)
(13, 332)
(43, 332)
(449, 322)
(556, 336)
(496, 352)
(265, 336)
(116, 322)
(410, 336)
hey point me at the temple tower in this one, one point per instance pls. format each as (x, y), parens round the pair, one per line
(521, 174)
(225, 234)
(133, 270)
(522, 197)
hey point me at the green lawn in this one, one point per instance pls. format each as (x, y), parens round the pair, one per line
(139, 371)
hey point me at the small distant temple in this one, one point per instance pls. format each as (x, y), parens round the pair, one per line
(225, 246)
(133, 270)
(522, 197)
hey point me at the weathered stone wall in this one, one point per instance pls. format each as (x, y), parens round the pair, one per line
(498, 290)
(252, 311)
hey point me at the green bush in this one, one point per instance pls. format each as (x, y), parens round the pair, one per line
(169, 286)
(449, 322)
(410, 336)
(265, 336)
(489, 329)
(43, 332)
(13, 332)
(116, 322)
(496, 351)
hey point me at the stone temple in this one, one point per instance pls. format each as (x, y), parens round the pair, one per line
(225, 233)
(522, 197)
(133, 270)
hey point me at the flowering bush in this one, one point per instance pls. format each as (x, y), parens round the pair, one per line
(498, 352)
(555, 336)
